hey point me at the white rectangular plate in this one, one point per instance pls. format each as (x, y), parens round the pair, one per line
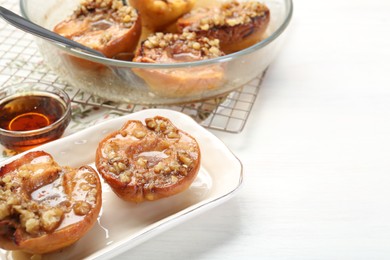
(123, 225)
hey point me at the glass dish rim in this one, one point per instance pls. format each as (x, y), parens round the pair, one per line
(131, 64)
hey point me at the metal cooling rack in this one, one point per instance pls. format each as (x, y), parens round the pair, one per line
(21, 61)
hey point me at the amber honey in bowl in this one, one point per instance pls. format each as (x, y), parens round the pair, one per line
(32, 115)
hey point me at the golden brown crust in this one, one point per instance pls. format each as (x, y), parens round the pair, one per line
(175, 48)
(148, 162)
(237, 25)
(45, 207)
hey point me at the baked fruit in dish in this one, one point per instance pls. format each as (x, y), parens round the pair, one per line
(148, 162)
(237, 25)
(171, 48)
(45, 207)
(107, 26)
(157, 14)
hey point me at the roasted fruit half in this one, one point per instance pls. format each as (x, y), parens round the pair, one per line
(107, 26)
(148, 162)
(171, 48)
(237, 25)
(45, 207)
(157, 14)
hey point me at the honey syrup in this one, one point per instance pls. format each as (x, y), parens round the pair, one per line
(25, 113)
(31, 115)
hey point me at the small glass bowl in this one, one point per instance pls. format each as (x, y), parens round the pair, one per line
(32, 114)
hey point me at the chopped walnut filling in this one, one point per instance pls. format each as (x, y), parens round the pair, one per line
(51, 219)
(81, 208)
(14, 203)
(42, 209)
(165, 158)
(177, 44)
(229, 14)
(124, 14)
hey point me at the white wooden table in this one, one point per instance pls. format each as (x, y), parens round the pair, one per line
(316, 149)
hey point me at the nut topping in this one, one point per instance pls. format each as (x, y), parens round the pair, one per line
(124, 14)
(229, 14)
(165, 159)
(187, 42)
(107, 26)
(236, 24)
(36, 195)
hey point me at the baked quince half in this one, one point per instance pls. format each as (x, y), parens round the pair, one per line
(107, 26)
(157, 14)
(45, 207)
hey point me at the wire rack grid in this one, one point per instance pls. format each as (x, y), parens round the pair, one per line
(21, 61)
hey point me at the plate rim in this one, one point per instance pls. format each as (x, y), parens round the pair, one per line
(167, 222)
